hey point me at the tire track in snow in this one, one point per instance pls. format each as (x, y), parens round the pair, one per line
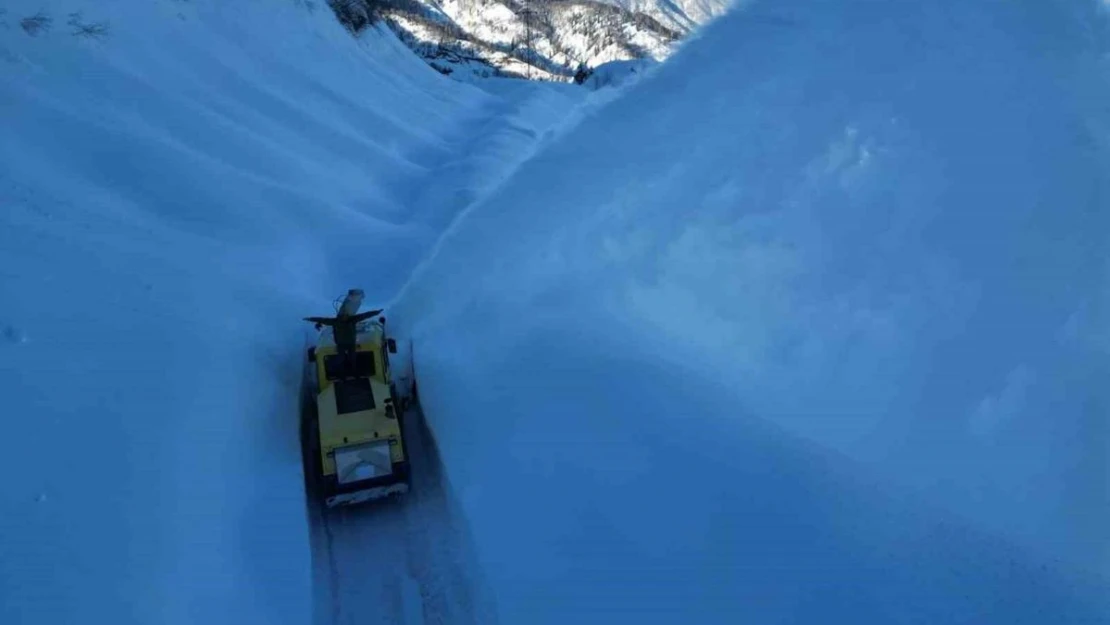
(401, 561)
(333, 569)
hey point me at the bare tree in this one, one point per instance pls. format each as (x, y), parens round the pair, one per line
(528, 15)
(38, 23)
(95, 30)
(354, 14)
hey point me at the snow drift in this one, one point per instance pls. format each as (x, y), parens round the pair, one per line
(180, 183)
(810, 326)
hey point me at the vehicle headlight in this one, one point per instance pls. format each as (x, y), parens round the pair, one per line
(363, 461)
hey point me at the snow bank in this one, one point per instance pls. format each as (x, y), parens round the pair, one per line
(810, 326)
(619, 73)
(180, 182)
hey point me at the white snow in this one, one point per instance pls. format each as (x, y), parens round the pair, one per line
(811, 324)
(174, 197)
(619, 73)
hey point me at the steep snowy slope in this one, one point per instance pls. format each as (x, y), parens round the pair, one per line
(809, 327)
(180, 183)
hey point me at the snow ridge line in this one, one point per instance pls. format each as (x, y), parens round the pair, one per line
(508, 133)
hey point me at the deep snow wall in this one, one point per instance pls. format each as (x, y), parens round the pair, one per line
(175, 194)
(811, 326)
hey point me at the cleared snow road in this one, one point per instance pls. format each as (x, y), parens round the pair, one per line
(401, 561)
(409, 560)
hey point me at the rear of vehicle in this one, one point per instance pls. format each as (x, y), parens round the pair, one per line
(359, 446)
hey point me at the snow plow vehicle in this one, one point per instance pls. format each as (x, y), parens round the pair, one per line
(354, 439)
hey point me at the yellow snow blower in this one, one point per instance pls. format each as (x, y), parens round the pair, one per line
(354, 437)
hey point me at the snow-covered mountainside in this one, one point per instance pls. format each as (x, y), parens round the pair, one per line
(809, 325)
(679, 14)
(540, 39)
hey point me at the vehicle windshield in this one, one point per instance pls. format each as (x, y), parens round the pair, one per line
(353, 396)
(335, 368)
